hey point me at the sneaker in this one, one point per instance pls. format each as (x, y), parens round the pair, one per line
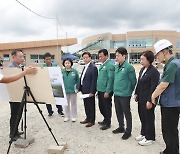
(145, 142)
(139, 138)
(66, 119)
(73, 119)
(126, 136)
(118, 130)
(61, 113)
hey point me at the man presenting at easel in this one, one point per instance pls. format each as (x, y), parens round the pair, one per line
(17, 61)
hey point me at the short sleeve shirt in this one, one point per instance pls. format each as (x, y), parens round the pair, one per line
(1, 76)
(169, 72)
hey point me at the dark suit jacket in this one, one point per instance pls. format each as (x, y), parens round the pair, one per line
(90, 80)
(147, 84)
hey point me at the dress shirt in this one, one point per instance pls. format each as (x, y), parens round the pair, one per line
(84, 72)
(145, 69)
(1, 76)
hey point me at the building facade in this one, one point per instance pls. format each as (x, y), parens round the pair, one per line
(34, 50)
(135, 42)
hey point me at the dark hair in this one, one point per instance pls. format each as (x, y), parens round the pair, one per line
(67, 59)
(149, 56)
(170, 48)
(122, 51)
(87, 53)
(47, 54)
(104, 51)
(14, 52)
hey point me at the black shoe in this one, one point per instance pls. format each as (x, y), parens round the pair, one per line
(15, 137)
(126, 136)
(50, 113)
(101, 122)
(61, 113)
(20, 133)
(104, 127)
(118, 130)
(162, 152)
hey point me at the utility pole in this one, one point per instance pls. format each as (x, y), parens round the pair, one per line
(58, 54)
(67, 45)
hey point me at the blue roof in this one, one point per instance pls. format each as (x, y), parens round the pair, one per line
(68, 55)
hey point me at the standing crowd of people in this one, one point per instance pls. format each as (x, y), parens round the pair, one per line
(120, 81)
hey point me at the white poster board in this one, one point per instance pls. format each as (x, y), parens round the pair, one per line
(57, 85)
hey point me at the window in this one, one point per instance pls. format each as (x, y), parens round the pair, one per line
(178, 55)
(6, 57)
(178, 44)
(38, 59)
(118, 44)
(97, 45)
(134, 58)
(139, 43)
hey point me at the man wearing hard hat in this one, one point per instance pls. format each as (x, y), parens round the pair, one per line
(169, 92)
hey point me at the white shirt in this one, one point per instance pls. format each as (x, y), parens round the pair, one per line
(105, 61)
(145, 69)
(84, 72)
(1, 76)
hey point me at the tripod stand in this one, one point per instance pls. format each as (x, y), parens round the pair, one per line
(27, 92)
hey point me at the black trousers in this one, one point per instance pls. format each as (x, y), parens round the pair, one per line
(105, 107)
(122, 106)
(15, 109)
(169, 121)
(49, 108)
(89, 105)
(147, 119)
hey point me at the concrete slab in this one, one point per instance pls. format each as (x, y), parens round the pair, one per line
(56, 149)
(23, 143)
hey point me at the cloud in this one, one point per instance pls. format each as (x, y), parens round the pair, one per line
(82, 18)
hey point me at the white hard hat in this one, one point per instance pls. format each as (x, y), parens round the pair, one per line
(161, 44)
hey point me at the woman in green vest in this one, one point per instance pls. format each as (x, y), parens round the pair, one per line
(71, 84)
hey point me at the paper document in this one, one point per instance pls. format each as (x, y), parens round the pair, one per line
(84, 96)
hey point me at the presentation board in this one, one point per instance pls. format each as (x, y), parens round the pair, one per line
(46, 86)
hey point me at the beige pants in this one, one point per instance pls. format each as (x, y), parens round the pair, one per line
(71, 109)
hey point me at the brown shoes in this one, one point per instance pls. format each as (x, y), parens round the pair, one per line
(89, 124)
(84, 122)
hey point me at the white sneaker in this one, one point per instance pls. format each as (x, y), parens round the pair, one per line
(139, 138)
(73, 119)
(145, 142)
(66, 119)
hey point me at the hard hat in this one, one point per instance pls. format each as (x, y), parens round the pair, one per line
(161, 44)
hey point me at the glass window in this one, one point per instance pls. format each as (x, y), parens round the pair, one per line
(98, 45)
(178, 44)
(34, 56)
(118, 44)
(134, 58)
(38, 59)
(6, 57)
(178, 55)
(112, 56)
(139, 43)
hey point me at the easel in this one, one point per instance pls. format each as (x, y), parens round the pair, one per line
(27, 92)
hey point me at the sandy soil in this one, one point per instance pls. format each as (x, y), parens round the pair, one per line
(79, 138)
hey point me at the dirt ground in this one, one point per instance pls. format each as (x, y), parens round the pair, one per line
(79, 138)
